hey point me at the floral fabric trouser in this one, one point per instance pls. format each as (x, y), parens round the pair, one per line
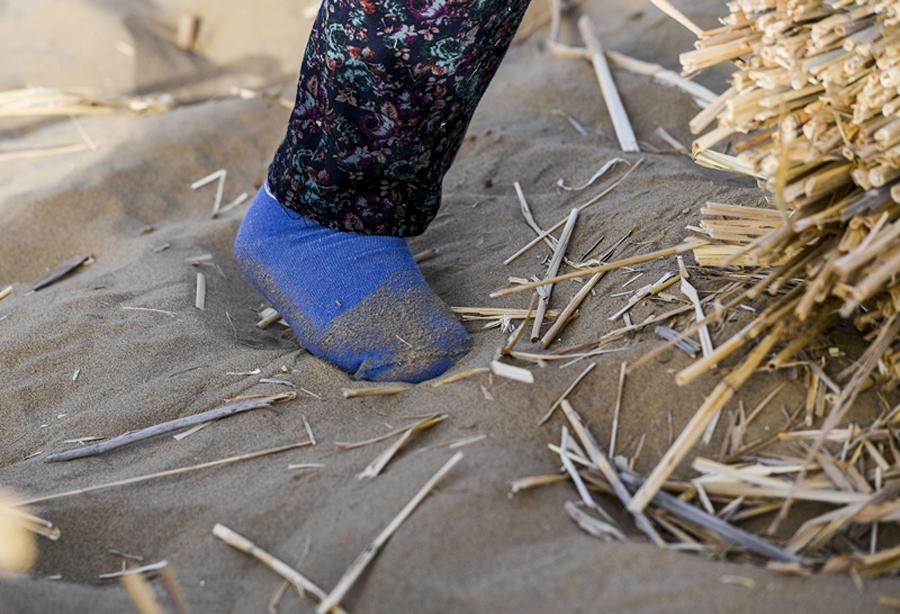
(386, 92)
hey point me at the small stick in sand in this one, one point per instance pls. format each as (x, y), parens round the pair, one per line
(380, 462)
(151, 567)
(621, 124)
(567, 392)
(362, 561)
(220, 188)
(309, 431)
(501, 369)
(459, 376)
(61, 272)
(167, 427)
(168, 472)
(234, 203)
(141, 594)
(239, 542)
(615, 425)
(552, 270)
(200, 295)
(534, 481)
(424, 255)
(374, 391)
(346, 445)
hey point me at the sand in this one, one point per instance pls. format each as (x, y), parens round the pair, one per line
(469, 547)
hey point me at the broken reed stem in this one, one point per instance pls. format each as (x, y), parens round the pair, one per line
(612, 266)
(615, 425)
(621, 124)
(374, 391)
(200, 294)
(561, 245)
(239, 542)
(719, 397)
(365, 557)
(168, 427)
(168, 472)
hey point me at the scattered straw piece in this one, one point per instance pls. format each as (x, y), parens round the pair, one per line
(134, 570)
(561, 184)
(309, 431)
(518, 374)
(200, 295)
(373, 391)
(621, 123)
(460, 376)
(380, 462)
(362, 561)
(239, 542)
(615, 425)
(219, 176)
(168, 472)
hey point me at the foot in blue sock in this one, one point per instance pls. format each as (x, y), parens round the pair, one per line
(355, 300)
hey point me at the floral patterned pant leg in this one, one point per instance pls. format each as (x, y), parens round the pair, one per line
(386, 92)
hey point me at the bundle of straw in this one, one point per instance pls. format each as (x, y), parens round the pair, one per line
(812, 113)
(817, 94)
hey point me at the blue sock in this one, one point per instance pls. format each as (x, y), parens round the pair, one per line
(358, 301)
